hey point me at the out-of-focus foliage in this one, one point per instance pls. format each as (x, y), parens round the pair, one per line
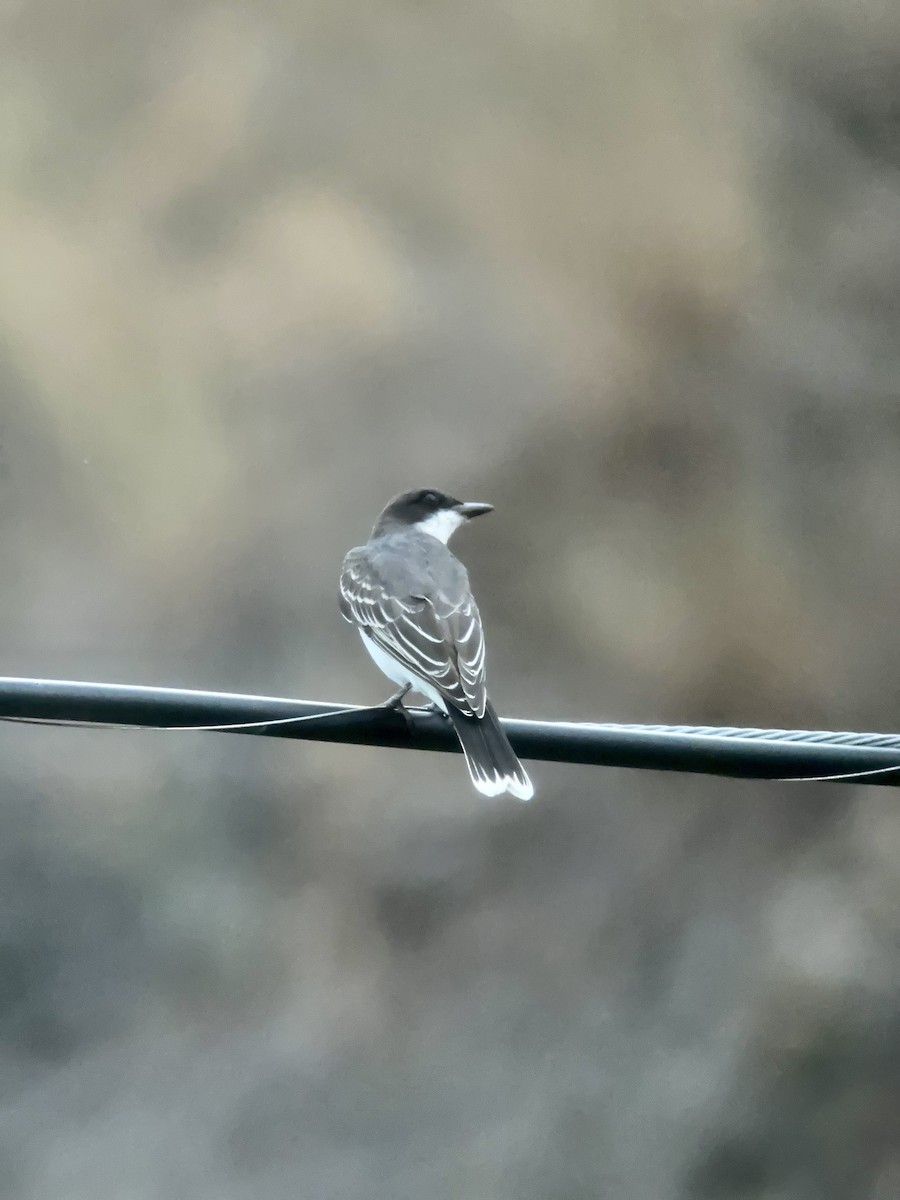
(631, 272)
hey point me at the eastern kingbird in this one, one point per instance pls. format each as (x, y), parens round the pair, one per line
(409, 597)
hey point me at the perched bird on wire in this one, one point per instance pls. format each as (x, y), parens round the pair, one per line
(410, 599)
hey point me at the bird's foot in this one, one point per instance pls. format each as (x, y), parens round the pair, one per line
(396, 703)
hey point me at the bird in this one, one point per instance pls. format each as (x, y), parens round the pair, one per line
(409, 597)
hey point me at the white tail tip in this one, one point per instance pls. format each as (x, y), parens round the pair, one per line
(495, 784)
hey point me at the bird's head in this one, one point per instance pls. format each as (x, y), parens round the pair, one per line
(429, 511)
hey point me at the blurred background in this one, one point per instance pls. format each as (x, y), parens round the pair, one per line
(630, 271)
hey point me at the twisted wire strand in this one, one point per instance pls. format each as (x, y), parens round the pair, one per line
(822, 737)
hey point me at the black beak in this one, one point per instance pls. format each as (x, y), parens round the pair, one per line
(473, 508)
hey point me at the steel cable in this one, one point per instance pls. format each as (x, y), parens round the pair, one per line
(774, 754)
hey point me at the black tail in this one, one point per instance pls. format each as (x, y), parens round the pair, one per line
(490, 758)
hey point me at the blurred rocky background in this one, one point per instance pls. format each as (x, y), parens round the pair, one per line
(631, 271)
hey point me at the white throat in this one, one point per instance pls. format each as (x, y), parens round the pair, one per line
(441, 524)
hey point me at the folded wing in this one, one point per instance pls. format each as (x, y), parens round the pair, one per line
(436, 635)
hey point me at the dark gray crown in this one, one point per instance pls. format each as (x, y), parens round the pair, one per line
(411, 507)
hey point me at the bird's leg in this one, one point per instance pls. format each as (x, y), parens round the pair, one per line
(437, 711)
(396, 701)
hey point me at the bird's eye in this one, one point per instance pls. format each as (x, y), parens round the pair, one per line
(429, 498)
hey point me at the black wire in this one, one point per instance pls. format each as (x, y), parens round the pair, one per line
(786, 754)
